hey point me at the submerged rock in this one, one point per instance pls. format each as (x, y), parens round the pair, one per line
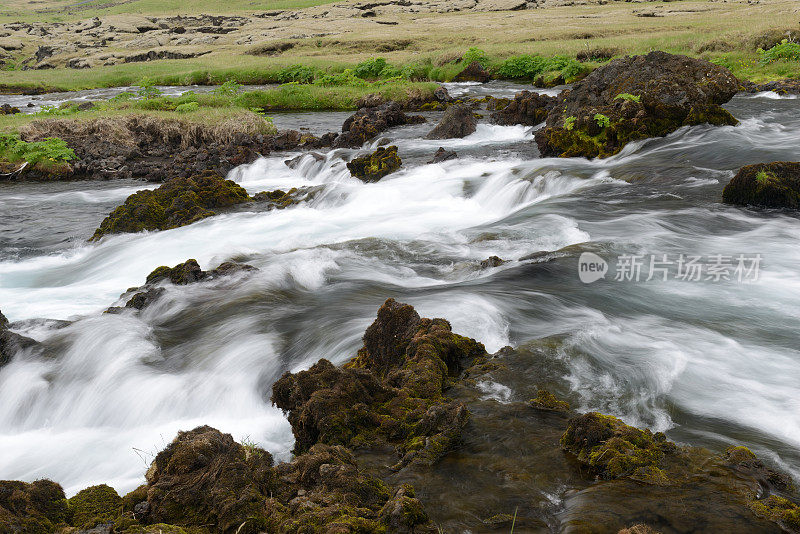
(767, 185)
(280, 199)
(527, 108)
(442, 155)
(492, 261)
(474, 72)
(634, 98)
(179, 202)
(457, 121)
(373, 167)
(366, 123)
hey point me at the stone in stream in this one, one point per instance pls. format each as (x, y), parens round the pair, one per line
(7, 109)
(373, 167)
(527, 108)
(636, 97)
(474, 72)
(178, 202)
(11, 343)
(457, 121)
(443, 155)
(766, 185)
(368, 122)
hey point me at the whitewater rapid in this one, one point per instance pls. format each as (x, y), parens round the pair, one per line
(713, 363)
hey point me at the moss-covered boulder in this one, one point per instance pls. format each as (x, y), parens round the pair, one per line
(545, 400)
(474, 72)
(32, 508)
(373, 167)
(95, 506)
(391, 393)
(613, 449)
(636, 97)
(766, 185)
(178, 202)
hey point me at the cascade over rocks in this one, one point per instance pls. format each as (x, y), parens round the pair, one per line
(368, 122)
(766, 185)
(10, 342)
(373, 167)
(457, 122)
(634, 98)
(184, 273)
(527, 108)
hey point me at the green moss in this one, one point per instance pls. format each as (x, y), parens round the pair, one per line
(547, 401)
(95, 505)
(33, 508)
(739, 454)
(614, 450)
(778, 509)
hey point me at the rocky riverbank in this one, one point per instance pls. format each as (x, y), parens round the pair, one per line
(403, 438)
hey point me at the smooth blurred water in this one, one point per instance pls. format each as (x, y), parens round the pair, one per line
(710, 363)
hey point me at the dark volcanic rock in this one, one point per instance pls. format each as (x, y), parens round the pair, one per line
(366, 123)
(179, 202)
(527, 108)
(373, 167)
(390, 394)
(768, 185)
(457, 121)
(473, 72)
(634, 98)
(7, 109)
(443, 155)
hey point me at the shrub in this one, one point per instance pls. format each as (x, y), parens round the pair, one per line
(297, 74)
(370, 68)
(57, 111)
(229, 88)
(476, 55)
(569, 123)
(148, 89)
(527, 66)
(347, 77)
(51, 149)
(786, 50)
(188, 107)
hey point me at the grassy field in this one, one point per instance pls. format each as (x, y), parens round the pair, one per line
(727, 33)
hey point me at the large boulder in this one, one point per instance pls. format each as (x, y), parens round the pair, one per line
(767, 185)
(457, 121)
(391, 394)
(179, 202)
(527, 108)
(373, 167)
(633, 98)
(368, 122)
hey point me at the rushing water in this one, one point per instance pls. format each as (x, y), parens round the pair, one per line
(709, 362)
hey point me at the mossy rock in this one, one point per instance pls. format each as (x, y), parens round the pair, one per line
(179, 202)
(547, 401)
(38, 507)
(373, 167)
(613, 449)
(766, 185)
(780, 510)
(94, 506)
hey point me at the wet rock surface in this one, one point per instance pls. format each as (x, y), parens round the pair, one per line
(457, 122)
(373, 167)
(634, 98)
(368, 122)
(443, 155)
(527, 108)
(179, 202)
(10, 342)
(766, 185)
